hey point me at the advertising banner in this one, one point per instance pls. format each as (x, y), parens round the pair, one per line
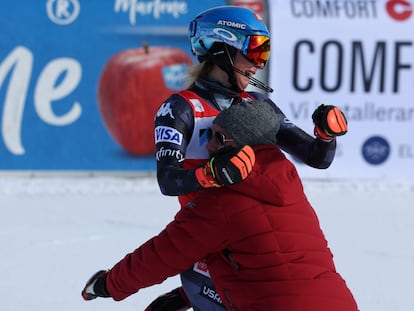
(358, 55)
(64, 63)
(81, 80)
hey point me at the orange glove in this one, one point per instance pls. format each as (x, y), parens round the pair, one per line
(228, 166)
(329, 122)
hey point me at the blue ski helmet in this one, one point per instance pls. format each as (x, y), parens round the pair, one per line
(235, 26)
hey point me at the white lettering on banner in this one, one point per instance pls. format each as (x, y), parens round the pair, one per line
(62, 12)
(46, 90)
(363, 68)
(156, 8)
(333, 8)
(20, 63)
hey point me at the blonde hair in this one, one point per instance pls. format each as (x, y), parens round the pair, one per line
(198, 70)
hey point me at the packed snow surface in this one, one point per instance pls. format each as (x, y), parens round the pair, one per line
(56, 232)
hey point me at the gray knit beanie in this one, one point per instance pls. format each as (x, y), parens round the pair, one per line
(250, 123)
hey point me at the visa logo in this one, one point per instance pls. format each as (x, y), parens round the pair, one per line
(165, 134)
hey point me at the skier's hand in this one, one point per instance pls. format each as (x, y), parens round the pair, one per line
(329, 122)
(95, 287)
(175, 300)
(228, 166)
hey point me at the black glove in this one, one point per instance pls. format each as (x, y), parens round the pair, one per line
(329, 122)
(228, 166)
(172, 301)
(96, 287)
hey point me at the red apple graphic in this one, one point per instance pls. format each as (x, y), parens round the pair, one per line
(133, 85)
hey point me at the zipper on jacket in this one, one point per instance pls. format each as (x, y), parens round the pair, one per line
(229, 301)
(226, 252)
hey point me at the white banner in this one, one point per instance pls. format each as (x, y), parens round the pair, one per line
(359, 56)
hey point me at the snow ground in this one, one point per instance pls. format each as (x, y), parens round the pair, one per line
(56, 232)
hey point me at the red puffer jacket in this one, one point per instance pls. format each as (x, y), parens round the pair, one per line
(261, 240)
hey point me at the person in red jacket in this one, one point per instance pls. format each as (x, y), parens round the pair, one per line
(261, 238)
(232, 44)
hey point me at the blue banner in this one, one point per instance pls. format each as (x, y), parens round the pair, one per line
(67, 86)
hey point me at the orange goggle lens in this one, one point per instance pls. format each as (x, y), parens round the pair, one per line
(258, 49)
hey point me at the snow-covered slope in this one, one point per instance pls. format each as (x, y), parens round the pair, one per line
(56, 232)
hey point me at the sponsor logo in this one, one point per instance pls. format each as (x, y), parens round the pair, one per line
(201, 267)
(224, 33)
(165, 134)
(62, 12)
(376, 150)
(169, 153)
(175, 76)
(211, 294)
(399, 10)
(351, 9)
(156, 8)
(164, 110)
(231, 24)
(58, 79)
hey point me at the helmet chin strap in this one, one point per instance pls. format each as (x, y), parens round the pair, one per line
(222, 55)
(254, 82)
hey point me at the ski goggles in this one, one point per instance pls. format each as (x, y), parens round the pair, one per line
(220, 138)
(257, 49)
